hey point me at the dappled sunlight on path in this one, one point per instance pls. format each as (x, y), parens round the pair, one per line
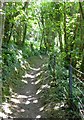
(35, 98)
(25, 101)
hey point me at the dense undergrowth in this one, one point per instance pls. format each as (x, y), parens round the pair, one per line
(55, 93)
(15, 61)
(55, 76)
(53, 29)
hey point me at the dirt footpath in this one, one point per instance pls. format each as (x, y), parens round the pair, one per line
(25, 101)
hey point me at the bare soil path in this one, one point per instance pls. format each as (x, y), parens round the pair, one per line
(31, 99)
(25, 101)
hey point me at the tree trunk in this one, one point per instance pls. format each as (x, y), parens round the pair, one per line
(25, 24)
(81, 10)
(65, 37)
(60, 39)
(82, 38)
(24, 33)
(67, 58)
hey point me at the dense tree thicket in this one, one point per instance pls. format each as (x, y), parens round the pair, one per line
(55, 29)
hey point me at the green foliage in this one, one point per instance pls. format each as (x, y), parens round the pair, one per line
(55, 28)
(59, 75)
(12, 67)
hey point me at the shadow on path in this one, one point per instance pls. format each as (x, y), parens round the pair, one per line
(25, 101)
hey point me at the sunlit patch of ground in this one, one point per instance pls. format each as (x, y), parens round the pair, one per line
(2, 114)
(24, 101)
(31, 99)
(26, 82)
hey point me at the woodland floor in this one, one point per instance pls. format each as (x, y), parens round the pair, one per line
(26, 100)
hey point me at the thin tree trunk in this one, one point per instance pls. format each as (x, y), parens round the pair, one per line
(67, 58)
(81, 9)
(24, 33)
(60, 39)
(82, 38)
(65, 38)
(25, 24)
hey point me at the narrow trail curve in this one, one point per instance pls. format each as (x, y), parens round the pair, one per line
(25, 102)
